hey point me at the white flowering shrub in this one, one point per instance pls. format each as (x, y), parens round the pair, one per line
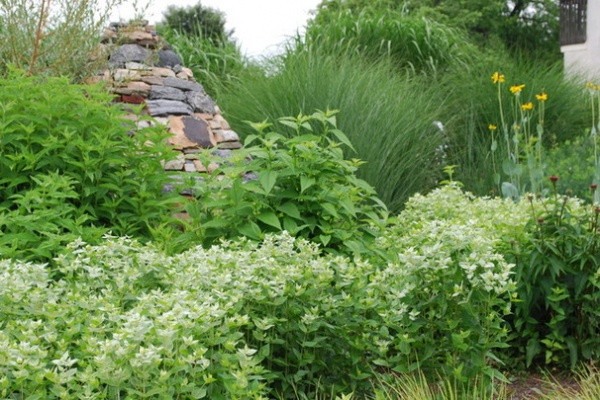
(445, 252)
(251, 320)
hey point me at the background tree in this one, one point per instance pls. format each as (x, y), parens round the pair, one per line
(198, 20)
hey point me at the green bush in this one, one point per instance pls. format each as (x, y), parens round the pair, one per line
(69, 167)
(556, 319)
(303, 185)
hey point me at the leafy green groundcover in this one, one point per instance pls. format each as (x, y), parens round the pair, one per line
(251, 320)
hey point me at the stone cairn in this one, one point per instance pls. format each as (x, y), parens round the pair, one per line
(143, 69)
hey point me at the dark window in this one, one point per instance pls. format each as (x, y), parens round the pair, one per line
(573, 21)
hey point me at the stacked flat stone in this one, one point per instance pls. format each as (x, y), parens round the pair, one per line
(142, 69)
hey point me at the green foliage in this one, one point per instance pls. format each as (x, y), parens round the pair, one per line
(216, 65)
(574, 162)
(522, 27)
(303, 185)
(198, 20)
(58, 38)
(410, 43)
(69, 167)
(388, 118)
(557, 312)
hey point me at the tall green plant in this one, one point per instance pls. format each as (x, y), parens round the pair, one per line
(59, 38)
(414, 44)
(68, 162)
(302, 184)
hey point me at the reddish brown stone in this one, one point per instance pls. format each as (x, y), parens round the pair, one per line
(132, 99)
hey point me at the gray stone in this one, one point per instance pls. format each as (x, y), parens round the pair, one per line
(183, 84)
(167, 107)
(168, 58)
(200, 102)
(166, 93)
(230, 145)
(223, 153)
(128, 53)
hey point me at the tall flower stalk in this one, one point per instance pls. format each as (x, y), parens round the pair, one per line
(524, 150)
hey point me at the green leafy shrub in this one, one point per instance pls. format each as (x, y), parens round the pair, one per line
(556, 318)
(69, 167)
(574, 161)
(199, 21)
(303, 185)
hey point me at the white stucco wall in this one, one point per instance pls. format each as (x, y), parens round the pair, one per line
(584, 58)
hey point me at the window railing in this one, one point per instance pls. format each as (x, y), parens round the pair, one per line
(573, 21)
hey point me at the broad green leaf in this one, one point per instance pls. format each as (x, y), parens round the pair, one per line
(341, 136)
(290, 209)
(269, 218)
(306, 182)
(268, 179)
(251, 230)
(330, 209)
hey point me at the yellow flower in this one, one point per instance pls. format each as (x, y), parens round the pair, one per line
(527, 106)
(516, 88)
(542, 96)
(590, 85)
(497, 77)
(492, 127)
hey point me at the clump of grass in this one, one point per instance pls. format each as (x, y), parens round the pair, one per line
(389, 118)
(414, 44)
(418, 387)
(216, 65)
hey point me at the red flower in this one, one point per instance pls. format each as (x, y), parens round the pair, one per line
(553, 178)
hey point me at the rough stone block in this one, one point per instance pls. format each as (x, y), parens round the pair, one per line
(226, 136)
(166, 72)
(167, 93)
(200, 102)
(183, 84)
(128, 53)
(168, 107)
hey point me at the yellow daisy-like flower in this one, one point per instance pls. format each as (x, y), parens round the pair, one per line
(527, 106)
(497, 77)
(492, 127)
(541, 96)
(516, 88)
(590, 85)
